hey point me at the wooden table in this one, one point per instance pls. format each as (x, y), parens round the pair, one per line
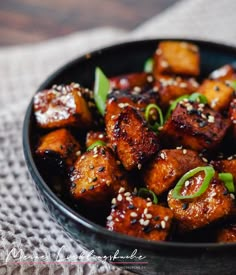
(27, 21)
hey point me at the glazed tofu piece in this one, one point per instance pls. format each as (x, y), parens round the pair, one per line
(227, 234)
(97, 176)
(59, 145)
(93, 136)
(214, 204)
(130, 81)
(133, 142)
(226, 166)
(218, 94)
(232, 116)
(223, 73)
(169, 165)
(195, 126)
(170, 88)
(62, 106)
(138, 217)
(172, 57)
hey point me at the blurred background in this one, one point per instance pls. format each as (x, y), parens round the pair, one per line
(30, 21)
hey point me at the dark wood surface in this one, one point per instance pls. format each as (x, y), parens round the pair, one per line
(27, 21)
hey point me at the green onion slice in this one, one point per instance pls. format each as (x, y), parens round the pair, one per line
(146, 193)
(147, 113)
(101, 90)
(232, 83)
(148, 65)
(96, 144)
(198, 97)
(209, 173)
(174, 104)
(228, 180)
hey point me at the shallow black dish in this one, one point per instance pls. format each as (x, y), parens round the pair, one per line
(160, 257)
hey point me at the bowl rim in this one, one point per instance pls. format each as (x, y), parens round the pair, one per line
(72, 214)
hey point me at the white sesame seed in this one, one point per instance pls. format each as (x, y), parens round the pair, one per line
(145, 211)
(211, 119)
(133, 214)
(149, 78)
(83, 157)
(179, 148)
(162, 155)
(118, 162)
(137, 89)
(187, 182)
(139, 166)
(204, 159)
(148, 216)
(145, 223)
(121, 190)
(182, 85)
(166, 218)
(213, 194)
(155, 89)
(163, 224)
(148, 199)
(230, 158)
(113, 117)
(127, 194)
(158, 51)
(123, 105)
(78, 153)
(164, 64)
(141, 221)
(101, 136)
(117, 219)
(113, 201)
(232, 196)
(149, 204)
(109, 218)
(128, 199)
(184, 151)
(203, 116)
(119, 197)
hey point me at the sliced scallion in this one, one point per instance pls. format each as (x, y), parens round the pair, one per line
(209, 173)
(198, 98)
(148, 109)
(232, 83)
(228, 180)
(96, 144)
(101, 90)
(174, 104)
(148, 65)
(146, 193)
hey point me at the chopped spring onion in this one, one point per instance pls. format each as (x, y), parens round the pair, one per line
(96, 144)
(174, 104)
(232, 84)
(146, 193)
(101, 90)
(148, 65)
(147, 116)
(198, 97)
(209, 173)
(228, 180)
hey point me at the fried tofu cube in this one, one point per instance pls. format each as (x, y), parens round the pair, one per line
(232, 116)
(170, 88)
(218, 94)
(168, 166)
(133, 142)
(195, 126)
(226, 166)
(214, 204)
(97, 176)
(62, 106)
(223, 73)
(173, 57)
(130, 81)
(59, 145)
(93, 136)
(137, 217)
(227, 234)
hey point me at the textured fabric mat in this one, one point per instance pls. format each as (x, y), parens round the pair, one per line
(23, 221)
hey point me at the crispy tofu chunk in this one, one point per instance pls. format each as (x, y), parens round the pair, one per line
(232, 116)
(59, 145)
(97, 176)
(195, 126)
(223, 73)
(226, 166)
(170, 88)
(133, 142)
(138, 217)
(227, 234)
(62, 106)
(169, 165)
(130, 81)
(218, 93)
(93, 136)
(172, 57)
(215, 203)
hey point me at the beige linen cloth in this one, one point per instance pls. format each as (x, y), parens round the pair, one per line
(23, 221)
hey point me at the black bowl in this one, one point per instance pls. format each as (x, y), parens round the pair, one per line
(160, 257)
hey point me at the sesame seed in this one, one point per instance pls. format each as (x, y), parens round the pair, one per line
(121, 190)
(83, 157)
(123, 105)
(166, 218)
(137, 89)
(149, 78)
(133, 214)
(158, 51)
(182, 85)
(145, 211)
(118, 162)
(127, 194)
(119, 197)
(148, 216)
(117, 219)
(163, 224)
(113, 117)
(162, 155)
(204, 159)
(164, 64)
(230, 158)
(101, 136)
(213, 194)
(179, 148)
(95, 156)
(187, 182)
(141, 221)
(113, 201)
(203, 116)
(149, 204)
(108, 182)
(145, 223)
(232, 196)
(139, 166)
(128, 199)
(109, 218)
(211, 119)
(91, 166)
(184, 151)
(78, 153)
